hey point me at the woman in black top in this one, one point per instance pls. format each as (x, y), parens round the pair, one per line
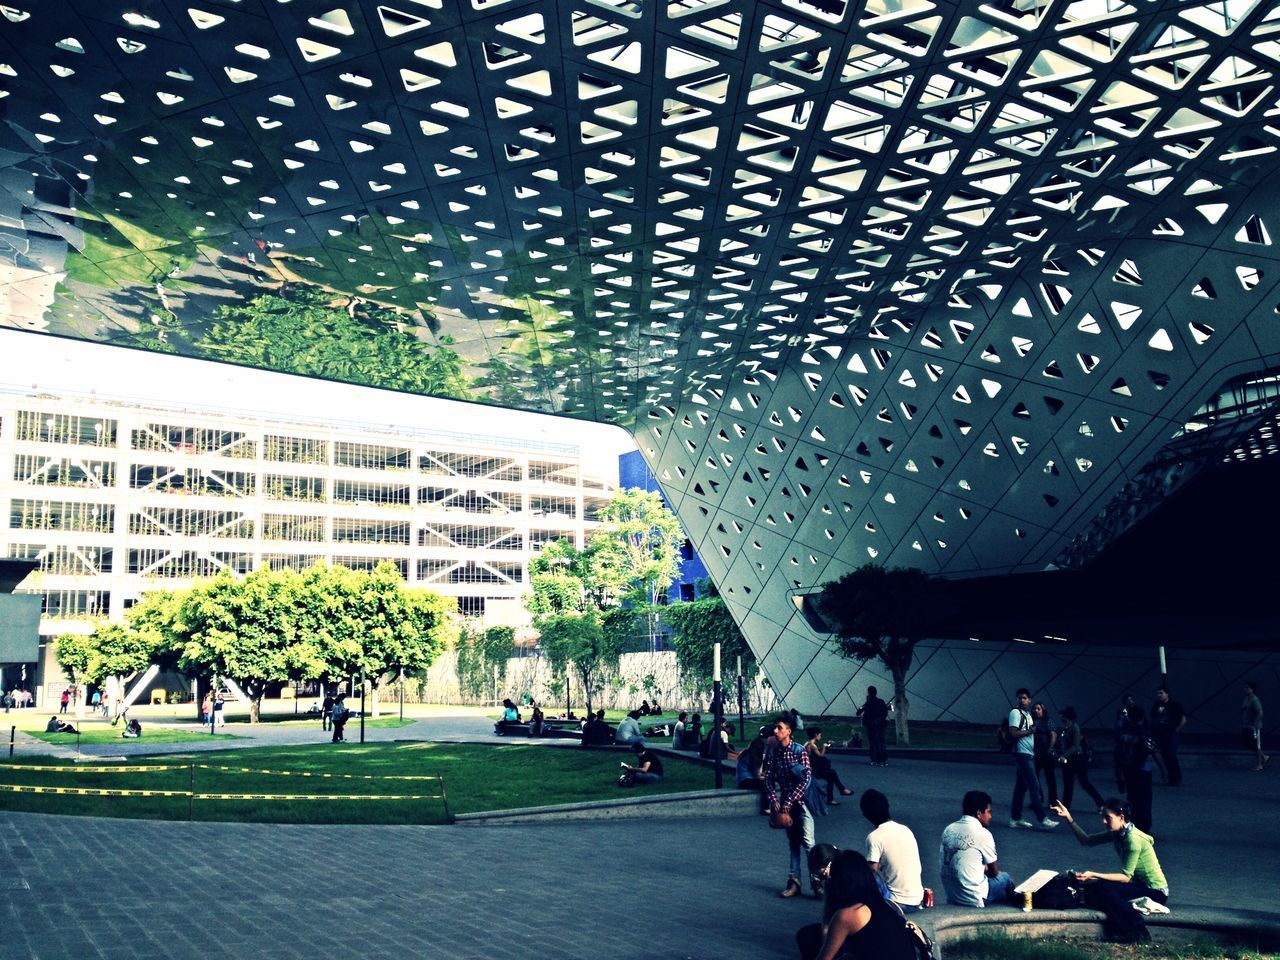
(859, 923)
(1045, 739)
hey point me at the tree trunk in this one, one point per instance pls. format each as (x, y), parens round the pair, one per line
(255, 702)
(901, 706)
(373, 699)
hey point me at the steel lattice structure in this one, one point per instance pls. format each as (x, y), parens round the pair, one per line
(924, 283)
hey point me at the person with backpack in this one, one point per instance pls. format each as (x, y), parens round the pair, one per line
(1022, 729)
(875, 720)
(1073, 756)
(338, 717)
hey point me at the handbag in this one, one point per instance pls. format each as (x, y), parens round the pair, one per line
(780, 820)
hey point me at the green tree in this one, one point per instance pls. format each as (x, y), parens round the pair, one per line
(242, 628)
(482, 654)
(636, 550)
(308, 331)
(580, 640)
(372, 624)
(697, 627)
(77, 655)
(879, 614)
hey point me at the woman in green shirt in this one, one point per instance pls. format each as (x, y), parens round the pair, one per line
(1139, 874)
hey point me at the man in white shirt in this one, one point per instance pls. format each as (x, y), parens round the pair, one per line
(1023, 730)
(893, 852)
(970, 871)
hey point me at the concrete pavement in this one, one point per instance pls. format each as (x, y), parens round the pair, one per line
(624, 890)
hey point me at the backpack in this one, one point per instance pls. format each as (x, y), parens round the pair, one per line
(1063, 892)
(920, 942)
(1004, 736)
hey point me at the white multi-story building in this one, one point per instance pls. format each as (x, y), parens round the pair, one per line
(113, 499)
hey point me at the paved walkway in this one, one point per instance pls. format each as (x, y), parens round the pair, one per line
(89, 888)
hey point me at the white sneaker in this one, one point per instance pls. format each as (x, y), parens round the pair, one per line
(1020, 824)
(1048, 823)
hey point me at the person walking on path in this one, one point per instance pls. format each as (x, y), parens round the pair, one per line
(787, 776)
(875, 720)
(1046, 739)
(338, 717)
(1023, 730)
(1251, 722)
(1074, 759)
(64, 700)
(1167, 720)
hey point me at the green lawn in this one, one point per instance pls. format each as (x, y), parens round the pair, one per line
(994, 946)
(476, 777)
(105, 733)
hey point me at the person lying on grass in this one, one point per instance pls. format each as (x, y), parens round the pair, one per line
(57, 726)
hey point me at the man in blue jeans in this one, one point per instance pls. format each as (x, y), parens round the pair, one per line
(1023, 728)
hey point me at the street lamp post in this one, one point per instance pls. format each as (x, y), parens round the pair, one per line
(717, 708)
(362, 704)
(742, 720)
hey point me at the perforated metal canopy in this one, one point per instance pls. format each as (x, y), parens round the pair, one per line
(916, 282)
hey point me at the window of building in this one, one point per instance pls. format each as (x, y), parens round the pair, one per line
(192, 481)
(471, 606)
(553, 506)
(371, 456)
(73, 604)
(63, 472)
(279, 486)
(370, 563)
(58, 515)
(42, 427)
(179, 522)
(467, 537)
(194, 441)
(554, 471)
(281, 449)
(366, 494)
(540, 538)
(74, 561)
(290, 561)
(350, 530)
(301, 527)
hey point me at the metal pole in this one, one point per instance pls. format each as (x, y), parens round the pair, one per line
(402, 694)
(191, 792)
(213, 706)
(742, 719)
(362, 705)
(12, 730)
(717, 713)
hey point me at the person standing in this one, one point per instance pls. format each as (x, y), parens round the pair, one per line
(787, 776)
(1122, 718)
(206, 708)
(677, 732)
(970, 869)
(1251, 723)
(326, 708)
(1023, 730)
(64, 700)
(1167, 720)
(1135, 749)
(875, 721)
(338, 717)
(1074, 758)
(219, 708)
(893, 852)
(1046, 740)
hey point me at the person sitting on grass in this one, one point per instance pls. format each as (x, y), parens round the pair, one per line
(1139, 874)
(59, 726)
(595, 732)
(647, 768)
(132, 730)
(629, 730)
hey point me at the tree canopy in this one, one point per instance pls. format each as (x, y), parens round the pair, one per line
(697, 626)
(636, 550)
(878, 614)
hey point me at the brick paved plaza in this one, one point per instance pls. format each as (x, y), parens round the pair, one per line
(663, 888)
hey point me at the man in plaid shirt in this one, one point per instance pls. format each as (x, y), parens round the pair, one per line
(786, 776)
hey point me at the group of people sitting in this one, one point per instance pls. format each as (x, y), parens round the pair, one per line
(868, 897)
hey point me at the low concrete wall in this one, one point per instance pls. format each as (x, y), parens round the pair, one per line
(634, 806)
(950, 925)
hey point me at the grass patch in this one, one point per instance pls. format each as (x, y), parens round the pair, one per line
(477, 778)
(109, 734)
(997, 946)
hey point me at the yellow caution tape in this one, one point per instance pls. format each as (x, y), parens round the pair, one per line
(298, 796)
(79, 769)
(303, 773)
(89, 791)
